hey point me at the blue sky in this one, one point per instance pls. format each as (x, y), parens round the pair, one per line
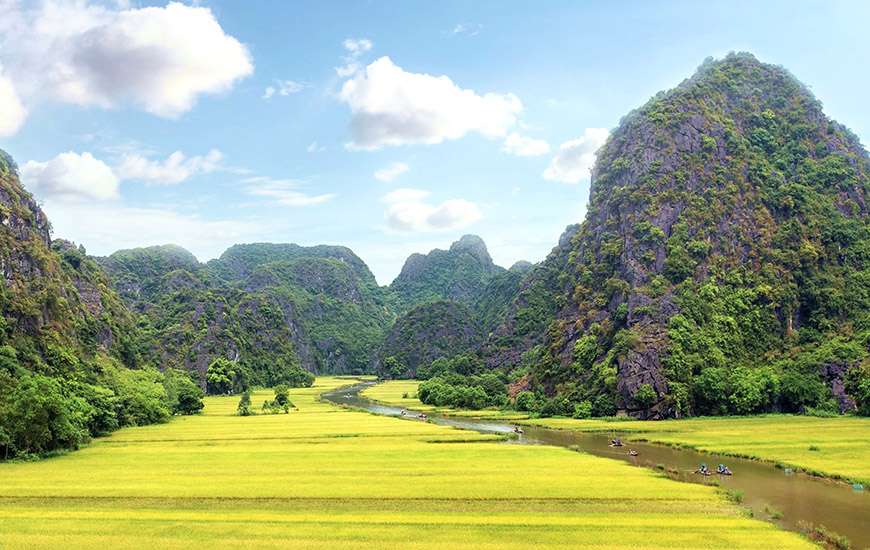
(388, 127)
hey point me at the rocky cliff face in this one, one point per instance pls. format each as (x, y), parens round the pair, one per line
(56, 302)
(727, 225)
(260, 304)
(428, 332)
(459, 274)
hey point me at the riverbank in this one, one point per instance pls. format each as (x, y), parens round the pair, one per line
(323, 476)
(837, 448)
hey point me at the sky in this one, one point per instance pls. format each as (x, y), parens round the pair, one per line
(390, 127)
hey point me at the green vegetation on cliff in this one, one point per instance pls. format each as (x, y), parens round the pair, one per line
(723, 263)
(70, 366)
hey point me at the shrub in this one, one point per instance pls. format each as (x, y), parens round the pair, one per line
(604, 405)
(583, 409)
(645, 396)
(527, 401)
(244, 406)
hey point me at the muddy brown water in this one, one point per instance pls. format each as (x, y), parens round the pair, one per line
(766, 489)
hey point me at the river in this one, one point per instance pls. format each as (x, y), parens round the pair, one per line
(767, 490)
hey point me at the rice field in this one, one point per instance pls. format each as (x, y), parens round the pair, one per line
(327, 477)
(834, 447)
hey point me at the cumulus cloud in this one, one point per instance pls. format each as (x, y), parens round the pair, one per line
(12, 111)
(391, 106)
(574, 159)
(175, 169)
(524, 146)
(284, 191)
(355, 47)
(70, 176)
(391, 172)
(283, 88)
(408, 211)
(160, 59)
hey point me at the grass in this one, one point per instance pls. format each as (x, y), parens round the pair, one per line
(327, 477)
(836, 447)
(839, 446)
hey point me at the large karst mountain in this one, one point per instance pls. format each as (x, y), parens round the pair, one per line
(723, 262)
(722, 268)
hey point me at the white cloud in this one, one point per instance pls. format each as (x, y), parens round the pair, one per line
(391, 172)
(284, 88)
(12, 111)
(104, 227)
(314, 147)
(160, 59)
(408, 211)
(284, 191)
(575, 158)
(355, 47)
(70, 176)
(393, 107)
(175, 169)
(472, 29)
(524, 146)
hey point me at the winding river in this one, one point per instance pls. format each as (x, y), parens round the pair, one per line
(767, 490)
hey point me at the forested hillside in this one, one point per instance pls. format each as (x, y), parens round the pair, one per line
(70, 366)
(272, 308)
(722, 266)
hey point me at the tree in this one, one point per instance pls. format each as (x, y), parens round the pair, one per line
(858, 386)
(282, 395)
(142, 398)
(244, 406)
(526, 401)
(188, 397)
(38, 418)
(645, 396)
(393, 368)
(603, 406)
(224, 377)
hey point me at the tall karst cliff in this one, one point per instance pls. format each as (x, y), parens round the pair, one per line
(723, 262)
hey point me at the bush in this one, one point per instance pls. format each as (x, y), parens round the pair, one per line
(527, 401)
(858, 386)
(142, 399)
(604, 405)
(36, 418)
(244, 406)
(296, 377)
(800, 391)
(645, 396)
(185, 397)
(225, 377)
(583, 409)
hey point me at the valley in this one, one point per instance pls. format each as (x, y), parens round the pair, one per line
(712, 300)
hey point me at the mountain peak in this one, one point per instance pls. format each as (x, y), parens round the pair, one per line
(474, 245)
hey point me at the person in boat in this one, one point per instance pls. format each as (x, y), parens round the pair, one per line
(421, 416)
(632, 452)
(723, 470)
(616, 442)
(703, 470)
(403, 412)
(518, 430)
